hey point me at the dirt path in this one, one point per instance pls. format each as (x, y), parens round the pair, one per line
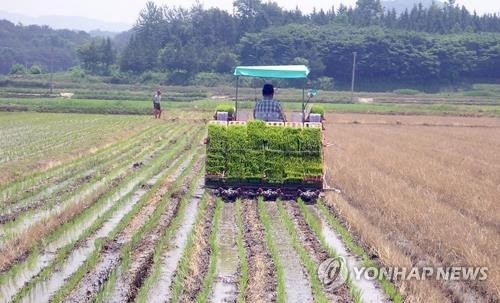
(226, 283)
(261, 270)
(313, 246)
(297, 286)
(370, 290)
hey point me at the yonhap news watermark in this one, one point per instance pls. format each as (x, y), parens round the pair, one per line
(333, 272)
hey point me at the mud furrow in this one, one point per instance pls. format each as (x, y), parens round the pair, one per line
(297, 286)
(199, 256)
(314, 248)
(110, 257)
(370, 290)
(226, 281)
(170, 258)
(262, 280)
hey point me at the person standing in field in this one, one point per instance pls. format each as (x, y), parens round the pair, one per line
(157, 105)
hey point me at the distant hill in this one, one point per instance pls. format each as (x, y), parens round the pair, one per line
(40, 45)
(401, 5)
(67, 22)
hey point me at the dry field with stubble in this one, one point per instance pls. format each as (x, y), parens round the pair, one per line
(419, 190)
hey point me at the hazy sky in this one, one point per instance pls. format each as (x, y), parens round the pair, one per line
(127, 10)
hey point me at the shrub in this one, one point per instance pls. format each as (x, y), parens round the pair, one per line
(17, 69)
(36, 69)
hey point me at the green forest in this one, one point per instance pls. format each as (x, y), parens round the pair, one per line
(423, 47)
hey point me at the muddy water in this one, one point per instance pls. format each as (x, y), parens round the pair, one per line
(160, 291)
(226, 281)
(22, 223)
(77, 257)
(370, 290)
(297, 286)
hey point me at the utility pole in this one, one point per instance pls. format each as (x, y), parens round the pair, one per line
(353, 72)
(51, 62)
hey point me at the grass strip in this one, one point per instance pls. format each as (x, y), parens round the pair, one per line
(316, 228)
(242, 254)
(208, 282)
(307, 260)
(280, 276)
(388, 288)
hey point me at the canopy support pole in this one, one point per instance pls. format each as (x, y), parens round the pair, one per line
(236, 105)
(303, 103)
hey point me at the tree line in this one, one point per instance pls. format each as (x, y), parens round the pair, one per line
(438, 44)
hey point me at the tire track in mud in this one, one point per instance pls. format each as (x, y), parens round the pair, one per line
(130, 281)
(261, 270)
(110, 256)
(313, 246)
(297, 286)
(226, 281)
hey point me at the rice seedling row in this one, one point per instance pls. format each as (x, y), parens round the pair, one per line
(137, 256)
(117, 248)
(227, 275)
(87, 174)
(86, 194)
(29, 186)
(310, 252)
(175, 282)
(71, 230)
(169, 251)
(73, 254)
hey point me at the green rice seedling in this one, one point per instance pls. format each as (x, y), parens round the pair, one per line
(280, 276)
(208, 281)
(242, 255)
(307, 260)
(388, 288)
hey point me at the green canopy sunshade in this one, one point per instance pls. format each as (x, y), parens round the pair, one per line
(273, 71)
